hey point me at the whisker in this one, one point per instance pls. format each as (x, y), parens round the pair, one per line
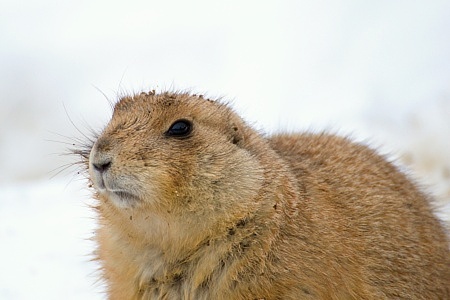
(73, 124)
(110, 102)
(60, 135)
(74, 177)
(78, 148)
(78, 166)
(59, 142)
(62, 168)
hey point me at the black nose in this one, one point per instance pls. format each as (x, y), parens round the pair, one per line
(102, 166)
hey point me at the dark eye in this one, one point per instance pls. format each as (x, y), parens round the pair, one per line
(180, 128)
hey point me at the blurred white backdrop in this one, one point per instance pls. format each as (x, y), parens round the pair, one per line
(377, 70)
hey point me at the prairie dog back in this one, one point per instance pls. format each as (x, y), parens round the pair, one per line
(195, 204)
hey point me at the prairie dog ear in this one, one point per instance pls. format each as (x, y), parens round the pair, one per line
(236, 130)
(237, 136)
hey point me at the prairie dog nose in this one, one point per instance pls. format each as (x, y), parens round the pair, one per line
(102, 165)
(100, 157)
(98, 166)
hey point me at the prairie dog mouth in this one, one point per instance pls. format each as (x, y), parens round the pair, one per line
(124, 195)
(122, 198)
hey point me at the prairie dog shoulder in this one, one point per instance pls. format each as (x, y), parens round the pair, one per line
(195, 204)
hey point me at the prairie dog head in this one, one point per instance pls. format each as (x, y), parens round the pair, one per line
(174, 152)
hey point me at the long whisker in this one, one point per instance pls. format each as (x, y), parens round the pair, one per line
(75, 126)
(59, 142)
(60, 169)
(77, 147)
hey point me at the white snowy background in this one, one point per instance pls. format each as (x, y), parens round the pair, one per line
(378, 70)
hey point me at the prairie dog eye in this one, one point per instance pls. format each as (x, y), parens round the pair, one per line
(180, 128)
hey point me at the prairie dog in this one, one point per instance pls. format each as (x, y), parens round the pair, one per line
(195, 204)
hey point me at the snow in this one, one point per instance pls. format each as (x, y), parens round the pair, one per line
(379, 71)
(45, 228)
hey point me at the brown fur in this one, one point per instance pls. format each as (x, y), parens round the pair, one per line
(227, 213)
